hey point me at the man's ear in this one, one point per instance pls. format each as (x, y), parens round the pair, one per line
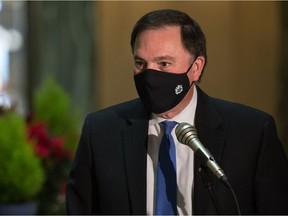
(197, 69)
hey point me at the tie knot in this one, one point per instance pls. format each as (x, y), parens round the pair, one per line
(168, 126)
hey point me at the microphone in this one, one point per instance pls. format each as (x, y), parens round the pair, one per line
(187, 134)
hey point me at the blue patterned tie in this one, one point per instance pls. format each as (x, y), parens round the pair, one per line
(166, 194)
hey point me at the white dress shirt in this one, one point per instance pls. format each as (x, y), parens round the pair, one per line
(184, 160)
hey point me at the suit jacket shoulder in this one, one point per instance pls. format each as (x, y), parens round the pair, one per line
(108, 175)
(130, 109)
(228, 109)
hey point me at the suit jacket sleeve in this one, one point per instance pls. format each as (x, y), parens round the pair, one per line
(80, 188)
(271, 179)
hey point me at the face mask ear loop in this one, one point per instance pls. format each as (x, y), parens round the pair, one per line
(190, 67)
(189, 70)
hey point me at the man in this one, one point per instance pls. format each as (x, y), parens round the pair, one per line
(116, 169)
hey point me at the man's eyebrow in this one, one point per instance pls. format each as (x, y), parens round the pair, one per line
(158, 58)
(164, 57)
(136, 57)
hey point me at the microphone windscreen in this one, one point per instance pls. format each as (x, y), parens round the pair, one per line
(185, 132)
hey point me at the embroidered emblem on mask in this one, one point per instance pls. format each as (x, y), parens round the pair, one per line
(178, 89)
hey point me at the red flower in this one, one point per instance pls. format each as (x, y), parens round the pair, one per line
(38, 131)
(57, 147)
(42, 151)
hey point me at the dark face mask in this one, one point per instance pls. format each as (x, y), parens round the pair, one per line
(161, 91)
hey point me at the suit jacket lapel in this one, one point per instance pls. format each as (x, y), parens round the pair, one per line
(135, 154)
(210, 131)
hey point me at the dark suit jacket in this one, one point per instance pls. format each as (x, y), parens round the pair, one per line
(108, 175)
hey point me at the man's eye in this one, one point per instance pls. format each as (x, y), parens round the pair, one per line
(164, 64)
(139, 65)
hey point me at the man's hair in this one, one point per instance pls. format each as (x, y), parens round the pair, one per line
(193, 38)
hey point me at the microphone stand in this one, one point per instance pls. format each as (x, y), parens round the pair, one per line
(206, 179)
(208, 184)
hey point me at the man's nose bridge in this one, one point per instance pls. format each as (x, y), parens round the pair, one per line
(152, 65)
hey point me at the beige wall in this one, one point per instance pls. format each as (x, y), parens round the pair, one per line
(242, 39)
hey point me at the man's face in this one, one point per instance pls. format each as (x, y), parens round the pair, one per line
(161, 49)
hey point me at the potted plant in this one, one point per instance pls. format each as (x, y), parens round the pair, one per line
(53, 128)
(21, 173)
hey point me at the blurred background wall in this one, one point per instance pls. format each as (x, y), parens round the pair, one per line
(85, 46)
